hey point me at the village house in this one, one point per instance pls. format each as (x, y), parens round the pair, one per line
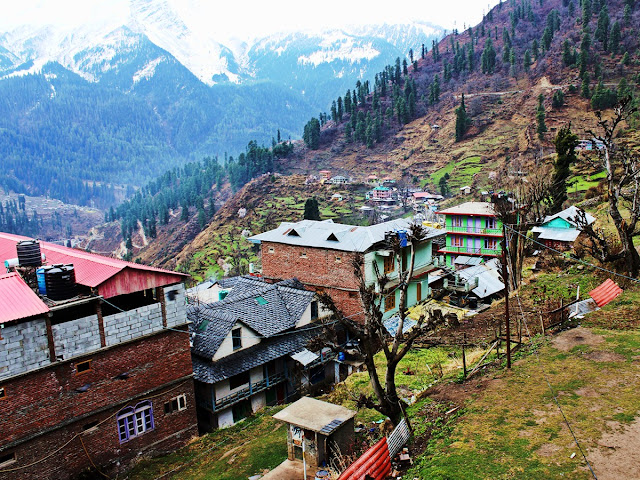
(249, 350)
(321, 255)
(382, 193)
(340, 180)
(95, 364)
(325, 175)
(472, 230)
(561, 230)
(211, 290)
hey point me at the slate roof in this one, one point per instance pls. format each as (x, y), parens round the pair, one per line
(335, 236)
(212, 372)
(266, 308)
(567, 214)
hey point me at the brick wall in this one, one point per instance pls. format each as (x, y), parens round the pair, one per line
(76, 336)
(171, 431)
(37, 404)
(322, 269)
(23, 347)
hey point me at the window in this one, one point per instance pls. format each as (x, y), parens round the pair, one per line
(271, 250)
(3, 393)
(134, 421)
(338, 259)
(176, 404)
(390, 302)
(83, 367)
(236, 338)
(303, 255)
(314, 310)
(490, 243)
(389, 264)
(491, 222)
(456, 221)
(239, 380)
(7, 459)
(456, 241)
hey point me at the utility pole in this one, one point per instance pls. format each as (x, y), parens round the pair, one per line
(505, 279)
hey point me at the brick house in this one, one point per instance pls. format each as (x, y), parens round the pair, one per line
(472, 230)
(249, 350)
(98, 378)
(321, 253)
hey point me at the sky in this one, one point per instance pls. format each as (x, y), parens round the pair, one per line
(246, 19)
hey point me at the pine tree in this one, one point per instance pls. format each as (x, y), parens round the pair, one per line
(462, 120)
(527, 60)
(540, 117)
(488, 57)
(565, 143)
(584, 89)
(616, 36)
(604, 23)
(311, 209)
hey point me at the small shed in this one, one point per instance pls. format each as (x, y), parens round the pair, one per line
(319, 429)
(466, 190)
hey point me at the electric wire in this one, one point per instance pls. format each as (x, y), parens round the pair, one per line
(546, 378)
(564, 254)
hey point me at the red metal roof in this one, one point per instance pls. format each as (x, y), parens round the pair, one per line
(17, 300)
(605, 292)
(92, 270)
(375, 462)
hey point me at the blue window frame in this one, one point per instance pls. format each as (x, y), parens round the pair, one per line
(134, 421)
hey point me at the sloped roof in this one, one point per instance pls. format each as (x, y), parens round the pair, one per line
(489, 281)
(204, 370)
(91, 270)
(266, 308)
(348, 238)
(17, 300)
(569, 214)
(312, 414)
(557, 234)
(470, 208)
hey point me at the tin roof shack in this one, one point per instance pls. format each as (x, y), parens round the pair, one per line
(320, 429)
(561, 230)
(104, 370)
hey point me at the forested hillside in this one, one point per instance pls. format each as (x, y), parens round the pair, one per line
(528, 69)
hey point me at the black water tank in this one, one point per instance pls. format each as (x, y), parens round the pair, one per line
(60, 281)
(29, 254)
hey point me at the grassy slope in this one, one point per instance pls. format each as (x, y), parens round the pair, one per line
(515, 430)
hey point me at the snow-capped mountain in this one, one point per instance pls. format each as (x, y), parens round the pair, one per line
(153, 87)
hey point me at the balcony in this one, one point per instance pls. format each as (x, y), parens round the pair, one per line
(494, 252)
(244, 393)
(472, 230)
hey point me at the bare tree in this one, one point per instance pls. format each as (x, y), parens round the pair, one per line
(372, 334)
(622, 167)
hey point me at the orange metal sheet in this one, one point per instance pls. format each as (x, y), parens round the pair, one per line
(605, 292)
(17, 300)
(375, 462)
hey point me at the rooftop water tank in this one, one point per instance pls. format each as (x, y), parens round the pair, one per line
(29, 253)
(60, 282)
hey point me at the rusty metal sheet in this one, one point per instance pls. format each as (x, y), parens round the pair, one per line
(375, 462)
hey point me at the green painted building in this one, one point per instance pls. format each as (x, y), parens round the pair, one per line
(472, 230)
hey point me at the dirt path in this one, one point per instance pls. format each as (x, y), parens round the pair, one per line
(617, 453)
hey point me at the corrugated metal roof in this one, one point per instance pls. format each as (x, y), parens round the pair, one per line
(489, 280)
(605, 292)
(470, 208)
(375, 462)
(91, 270)
(17, 300)
(557, 234)
(348, 238)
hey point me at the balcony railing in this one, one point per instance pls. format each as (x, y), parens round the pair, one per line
(244, 393)
(475, 230)
(472, 250)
